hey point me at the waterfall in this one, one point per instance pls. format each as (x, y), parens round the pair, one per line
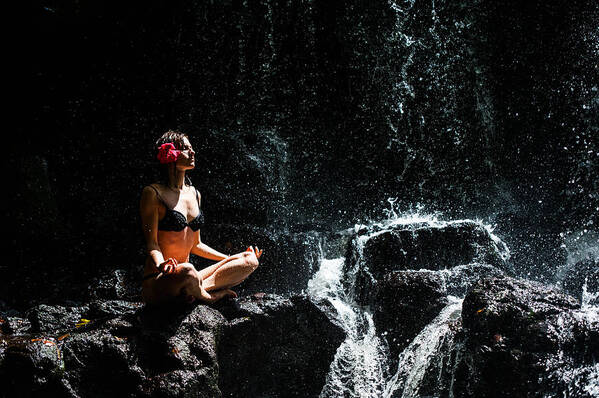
(417, 358)
(359, 365)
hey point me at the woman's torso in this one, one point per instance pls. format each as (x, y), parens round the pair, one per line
(180, 219)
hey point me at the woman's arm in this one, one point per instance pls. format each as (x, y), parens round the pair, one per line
(149, 222)
(203, 250)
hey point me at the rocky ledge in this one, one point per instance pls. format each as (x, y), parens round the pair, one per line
(523, 339)
(119, 348)
(431, 245)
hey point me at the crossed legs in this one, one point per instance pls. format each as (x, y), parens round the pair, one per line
(209, 284)
(214, 282)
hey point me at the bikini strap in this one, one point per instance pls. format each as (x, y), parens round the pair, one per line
(157, 194)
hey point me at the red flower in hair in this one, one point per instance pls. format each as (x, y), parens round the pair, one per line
(167, 153)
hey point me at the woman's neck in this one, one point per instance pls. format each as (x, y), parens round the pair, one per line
(176, 179)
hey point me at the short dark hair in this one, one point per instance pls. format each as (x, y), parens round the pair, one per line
(176, 137)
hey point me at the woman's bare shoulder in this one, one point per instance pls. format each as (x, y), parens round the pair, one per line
(150, 193)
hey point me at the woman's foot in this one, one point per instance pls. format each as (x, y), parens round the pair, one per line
(216, 295)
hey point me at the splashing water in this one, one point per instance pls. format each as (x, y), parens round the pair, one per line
(358, 367)
(418, 357)
(588, 298)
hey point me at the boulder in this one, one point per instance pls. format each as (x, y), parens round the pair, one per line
(276, 347)
(433, 246)
(404, 303)
(524, 338)
(53, 318)
(117, 284)
(123, 348)
(14, 325)
(31, 367)
(458, 280)
(129, 350)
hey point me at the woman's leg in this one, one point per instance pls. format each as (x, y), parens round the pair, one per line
(181, 285)
(229, 272)
(216, 280)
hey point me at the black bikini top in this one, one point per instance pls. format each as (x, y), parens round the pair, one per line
(174, 220)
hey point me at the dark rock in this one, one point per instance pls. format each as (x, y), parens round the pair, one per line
(111, 308)
(517, 337)
(458, 280)
(118, 284)
(15, 325)
(512, 306)
(31, 367)
(146, 353)
(12, 321)
(432, 246)
(97, 362)
(49, 319)
(404, 303)
(435, 246)
(288, 262)
(276, 347)
(127, 349)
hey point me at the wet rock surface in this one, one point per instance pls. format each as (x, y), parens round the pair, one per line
(431, 246)
(404, 303)
(127, 349)
(276, 347)
(522, 338)
(118, 284)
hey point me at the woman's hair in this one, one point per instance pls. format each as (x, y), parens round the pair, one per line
(176, 138)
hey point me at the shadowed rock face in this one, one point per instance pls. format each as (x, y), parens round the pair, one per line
(276, 347)
(404, 303)
(432, 247)
(128, 349)
(426, 245)
(522, 338)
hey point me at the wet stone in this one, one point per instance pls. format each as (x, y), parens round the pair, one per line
(404, 303)
(15, 325)
(276, 346)
(47, 318)
(118, 284)
(432, 247)
(517, 335)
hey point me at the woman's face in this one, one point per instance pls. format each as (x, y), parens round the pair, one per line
(186, 159)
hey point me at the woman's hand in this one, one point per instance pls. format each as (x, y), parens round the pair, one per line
(257, 252)
(168, 266)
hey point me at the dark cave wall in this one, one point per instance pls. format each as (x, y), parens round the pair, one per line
(305, 115)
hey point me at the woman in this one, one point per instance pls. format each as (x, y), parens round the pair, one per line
(171, 220)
